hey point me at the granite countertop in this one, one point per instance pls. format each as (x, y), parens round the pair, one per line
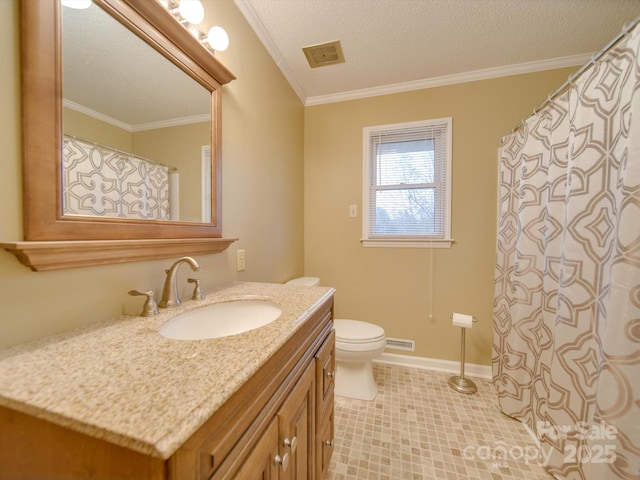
(120, 380)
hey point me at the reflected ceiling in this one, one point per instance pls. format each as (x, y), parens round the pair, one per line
(107, 69)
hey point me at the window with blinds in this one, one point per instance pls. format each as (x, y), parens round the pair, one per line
(407, 184)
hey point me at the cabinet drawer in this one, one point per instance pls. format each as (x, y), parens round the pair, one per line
(324, 443)
(325, 376)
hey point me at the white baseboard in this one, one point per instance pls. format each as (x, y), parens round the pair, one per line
(470, 369)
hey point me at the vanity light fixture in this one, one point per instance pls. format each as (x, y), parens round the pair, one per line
(189, 13)
(218, 38)
(191, 10)
(77, 4)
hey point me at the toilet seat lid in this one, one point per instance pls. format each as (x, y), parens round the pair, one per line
(356, 331)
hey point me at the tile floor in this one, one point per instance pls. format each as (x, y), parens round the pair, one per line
(419, 428)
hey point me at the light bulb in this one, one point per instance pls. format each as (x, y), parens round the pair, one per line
(77, 4)
(191, 10)
(218, 38)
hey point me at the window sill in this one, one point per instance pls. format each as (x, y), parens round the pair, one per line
(406, 243)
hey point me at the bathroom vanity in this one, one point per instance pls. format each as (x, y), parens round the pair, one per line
(117, 400)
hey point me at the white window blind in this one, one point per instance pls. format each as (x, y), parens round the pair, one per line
(407, 178)
(206, 183)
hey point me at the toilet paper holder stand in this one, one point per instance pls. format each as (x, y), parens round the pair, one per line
(460, 383)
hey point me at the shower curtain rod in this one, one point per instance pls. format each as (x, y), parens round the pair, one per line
(625, 31)
(115, 150)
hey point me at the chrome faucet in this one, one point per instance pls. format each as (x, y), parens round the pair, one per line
(170, 296)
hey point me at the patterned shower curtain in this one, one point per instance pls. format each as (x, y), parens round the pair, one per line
(566, 352)
(100, 181)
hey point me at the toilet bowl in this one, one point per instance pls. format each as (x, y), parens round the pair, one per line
(357, 344)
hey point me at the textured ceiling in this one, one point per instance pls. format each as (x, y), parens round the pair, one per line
(405, 44)
(389, 46)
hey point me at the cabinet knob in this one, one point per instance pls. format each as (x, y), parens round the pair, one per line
(283, 461)
(331, 374)
(329, 443)
(293, 444)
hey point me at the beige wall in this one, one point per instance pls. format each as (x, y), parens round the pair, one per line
(262, 188)
(391, 286)
(90, 128)
(179, 147)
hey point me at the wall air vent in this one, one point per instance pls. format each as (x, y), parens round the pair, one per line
(401, 344)
(324, 54)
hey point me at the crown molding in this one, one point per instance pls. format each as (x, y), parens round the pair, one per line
(486, 74)
(474, 76)
(174, 122)
(258, 27)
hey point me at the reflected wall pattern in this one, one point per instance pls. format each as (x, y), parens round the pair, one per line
(98, 181)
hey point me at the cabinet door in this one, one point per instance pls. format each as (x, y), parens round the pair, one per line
(325, 383)
(296, 422)
(325, 377)
(262, 462)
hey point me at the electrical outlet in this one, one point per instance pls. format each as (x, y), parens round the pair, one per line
(240, 261)
(353, 211)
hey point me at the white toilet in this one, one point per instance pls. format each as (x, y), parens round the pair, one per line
(357, 343)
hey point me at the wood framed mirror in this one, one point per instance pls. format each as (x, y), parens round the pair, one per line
(54, 239)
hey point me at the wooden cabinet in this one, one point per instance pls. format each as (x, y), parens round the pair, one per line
(287, 447)
(284, 451)
(287, 450)
(31, 448)
(278, 425)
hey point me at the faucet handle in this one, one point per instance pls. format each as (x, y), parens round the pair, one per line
(150, 308)
(198, 293)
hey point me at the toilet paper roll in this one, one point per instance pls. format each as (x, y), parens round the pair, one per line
(462, 320)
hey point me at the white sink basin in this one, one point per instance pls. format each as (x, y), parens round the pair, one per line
(221, 320)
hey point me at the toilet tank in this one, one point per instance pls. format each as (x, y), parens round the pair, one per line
(305, 281)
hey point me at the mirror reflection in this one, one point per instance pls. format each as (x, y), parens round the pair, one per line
(137, 129)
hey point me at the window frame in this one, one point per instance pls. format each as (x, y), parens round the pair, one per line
(369, 189)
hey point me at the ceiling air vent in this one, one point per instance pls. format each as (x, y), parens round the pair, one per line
(324, 54)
